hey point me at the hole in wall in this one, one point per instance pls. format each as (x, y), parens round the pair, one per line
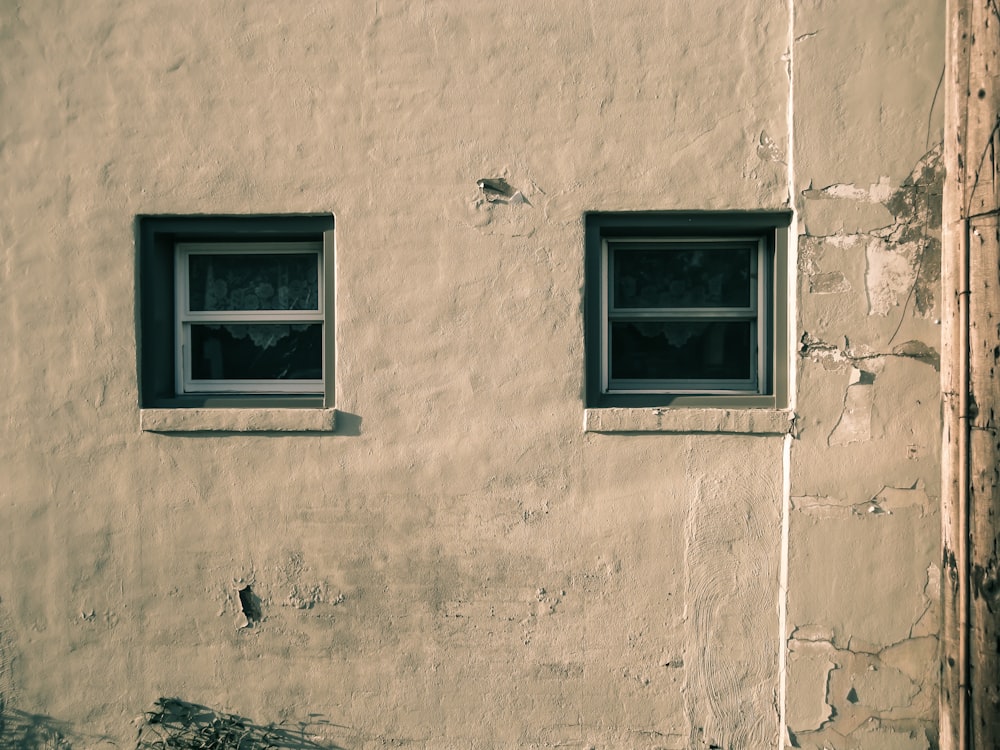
(250, 604)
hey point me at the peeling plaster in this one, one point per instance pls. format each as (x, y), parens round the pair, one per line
(769, 150)
(878, 687)
(848, 695)
(889, 272)
(833, 282)
(879, 192)
(863, 530)
(812, 633)
(899, 229)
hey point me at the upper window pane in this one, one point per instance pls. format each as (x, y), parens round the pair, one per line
(682, 277)
(253, 281)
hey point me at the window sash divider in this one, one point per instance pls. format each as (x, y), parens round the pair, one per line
(706, 314)
(253, 316)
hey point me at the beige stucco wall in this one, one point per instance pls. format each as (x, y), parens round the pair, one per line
(460, 564)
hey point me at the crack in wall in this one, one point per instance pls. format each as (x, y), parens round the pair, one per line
(885, 502)
(834, 356)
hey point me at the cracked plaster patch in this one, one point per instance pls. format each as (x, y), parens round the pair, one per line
(861, 560)
(807, 708)
(812, 633)
(894, 499)
(855, 423)
(914, 656)
(838, 694)
(920, 351)
(877, 687)
(884, 738)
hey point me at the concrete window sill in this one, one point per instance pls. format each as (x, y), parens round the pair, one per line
(664, 420)
(237, 420)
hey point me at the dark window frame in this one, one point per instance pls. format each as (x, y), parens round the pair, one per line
(768, 226)
(156, 237)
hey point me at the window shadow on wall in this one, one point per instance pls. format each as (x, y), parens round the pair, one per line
(175, 724)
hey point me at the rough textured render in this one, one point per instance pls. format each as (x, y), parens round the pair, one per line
(456, 558)
(863, 588)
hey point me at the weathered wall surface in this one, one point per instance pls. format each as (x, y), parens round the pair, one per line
(864, 526)
(460, 565)
(468, 568)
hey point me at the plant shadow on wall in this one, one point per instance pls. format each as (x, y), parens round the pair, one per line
(174, 724)
(23, 731)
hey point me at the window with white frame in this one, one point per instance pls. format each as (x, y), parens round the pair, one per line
(684, 309)
(249, 317)
(235, 311)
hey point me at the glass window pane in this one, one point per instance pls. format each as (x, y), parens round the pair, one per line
(254, 281)
(682, 277)
(682, 350)
(257, 351)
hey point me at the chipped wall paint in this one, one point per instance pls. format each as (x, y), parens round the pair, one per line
(459, 564)
(864, 581)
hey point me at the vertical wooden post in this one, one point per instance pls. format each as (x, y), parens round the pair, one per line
(970, 664)
(954, 369)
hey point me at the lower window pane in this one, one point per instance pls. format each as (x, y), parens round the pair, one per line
(257, 351)
(681, 350)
